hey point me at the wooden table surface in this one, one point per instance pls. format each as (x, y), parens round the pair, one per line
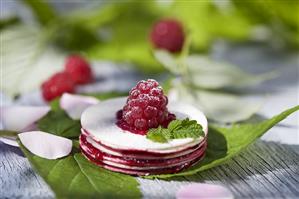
(267, 169)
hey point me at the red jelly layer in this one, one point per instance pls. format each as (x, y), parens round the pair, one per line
(133, 153)
(95, 153)
(175, 169)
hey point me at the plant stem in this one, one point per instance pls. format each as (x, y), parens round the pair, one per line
(5, 133)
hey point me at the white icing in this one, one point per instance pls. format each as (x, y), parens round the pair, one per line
(99, 122)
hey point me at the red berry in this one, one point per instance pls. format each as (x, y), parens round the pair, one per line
(58, 84)
(168, 34)
(79, 69)
(145, 107)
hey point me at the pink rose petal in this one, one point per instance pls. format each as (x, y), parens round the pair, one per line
(46, 145)
(74, 105)
(20, 118)
(9, 141)
(204, 191)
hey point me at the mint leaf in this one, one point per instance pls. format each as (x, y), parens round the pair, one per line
(186, 128)
(75, 177)
(174, 125)
(177, 129)
(226, 142)
(158, 135)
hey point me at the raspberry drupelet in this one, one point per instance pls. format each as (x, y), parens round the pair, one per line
(146, 108)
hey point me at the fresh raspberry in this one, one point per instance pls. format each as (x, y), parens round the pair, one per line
(168, 34)
(58, 84)
(79, 69)
(145, 108)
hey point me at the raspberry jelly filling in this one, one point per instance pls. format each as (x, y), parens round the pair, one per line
(175, 169)
(139, 154)
(125, 162)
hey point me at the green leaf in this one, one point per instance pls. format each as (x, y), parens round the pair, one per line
(218, 106)
(203, 72)
(119, 46)
(59, 123)
(198, 16)
(176, 129)
(225, 107)
(137, 53)
(280, 18)
(173, 125)
(42, 10)
(25, 58)
(208, 74)
(226, 142)
(9, 21)
(168, 61)
(75, 177)
(157, 135)
(195, 16)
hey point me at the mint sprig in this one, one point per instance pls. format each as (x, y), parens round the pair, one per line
(176, 129)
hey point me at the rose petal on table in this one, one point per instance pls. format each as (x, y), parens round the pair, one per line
(19, 118)
(74, 105)
(204, 191)
(9, 141)
(46, 145)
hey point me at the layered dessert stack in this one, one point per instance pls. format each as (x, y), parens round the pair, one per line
(114, 133)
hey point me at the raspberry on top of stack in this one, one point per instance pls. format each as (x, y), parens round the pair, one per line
(146, 108)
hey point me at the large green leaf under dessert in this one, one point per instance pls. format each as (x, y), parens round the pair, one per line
(226, 142)
(75, 177)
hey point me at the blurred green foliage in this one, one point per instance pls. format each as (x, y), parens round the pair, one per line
(8, 22)
(281, 17)
(119, 30)
(42, 11)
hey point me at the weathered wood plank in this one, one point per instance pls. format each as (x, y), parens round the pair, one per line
(17, 178)
(264, 170)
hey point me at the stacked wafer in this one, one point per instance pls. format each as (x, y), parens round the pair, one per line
(103, 142)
